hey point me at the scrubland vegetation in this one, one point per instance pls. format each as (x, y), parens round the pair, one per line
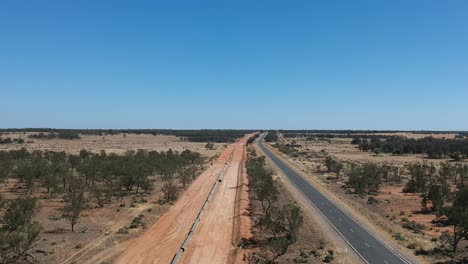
(205, 135)
(277, 221)
(442, 186)
(82, 181)
(434, 148)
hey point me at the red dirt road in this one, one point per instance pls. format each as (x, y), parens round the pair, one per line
(213, 239)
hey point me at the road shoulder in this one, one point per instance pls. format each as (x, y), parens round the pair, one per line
(349, 209)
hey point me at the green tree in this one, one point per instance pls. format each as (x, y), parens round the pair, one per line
(462, 173)
(170, 192)
(337, 167)
(377, 151)
(74, 199)
(19, 213)
(18, 231)
(365, 178)
(458, 217)
(329, 162)
(6, 167)
(262, 183)
(293, 220)
(419, 178)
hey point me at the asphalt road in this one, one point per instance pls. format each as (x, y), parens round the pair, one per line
(370, 248)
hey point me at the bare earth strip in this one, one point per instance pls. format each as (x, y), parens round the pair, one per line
(162, 241)
(213, 240)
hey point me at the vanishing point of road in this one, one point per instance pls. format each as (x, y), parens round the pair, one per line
(368, 246)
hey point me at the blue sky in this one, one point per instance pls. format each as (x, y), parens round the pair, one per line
(234, 64)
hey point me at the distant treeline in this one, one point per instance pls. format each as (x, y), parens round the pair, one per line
(310, 134)
(9, 140)
(271, 136)
(434, 147)
(100, 177)
(328, 131)
(252, 139)
(204, 135)
(52, 135)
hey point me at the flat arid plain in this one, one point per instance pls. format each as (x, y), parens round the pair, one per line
(232, 196)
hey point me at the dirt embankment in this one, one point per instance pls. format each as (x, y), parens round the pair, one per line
(101, 233)
(212, 241)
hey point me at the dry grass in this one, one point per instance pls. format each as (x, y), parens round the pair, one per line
(394, 206)
(311, 245)
(118, 144)
(97, 237)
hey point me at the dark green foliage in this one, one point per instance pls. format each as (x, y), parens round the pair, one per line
(461, 175)
(9, 140)
(414, 226)
(456, 156)
(170, 192)
(5, 140)
(18, 232)
(420, 175)
(458, 217)
(391, 173)
(283, 223)
(262, 183)
(377, 151)
(437, 194)
(356, 141)
(65, 134)
(137, 222)
(434, 148)
(101, 177)
(205, 135)
(333, 165)
(209, 145)
(271, 136)
(19, 213)
(74, 198)
(252, 139)
(365, 178)
(6, 167)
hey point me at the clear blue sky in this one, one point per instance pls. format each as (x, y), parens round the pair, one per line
(386, 64)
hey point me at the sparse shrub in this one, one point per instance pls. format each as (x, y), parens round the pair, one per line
(372, 200)
(170, 192)
(414, 226)
(399, 237)
(328, 258)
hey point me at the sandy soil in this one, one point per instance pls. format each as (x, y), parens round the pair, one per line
(119, 144)
(419, 135)
(343, 150)
(216, 239)
(358, 208)
(213, 238)
(394, 206)
(97, 238)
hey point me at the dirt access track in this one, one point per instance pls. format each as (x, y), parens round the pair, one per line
(217, 234)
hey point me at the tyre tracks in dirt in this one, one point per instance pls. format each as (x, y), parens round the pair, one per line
(213, 239)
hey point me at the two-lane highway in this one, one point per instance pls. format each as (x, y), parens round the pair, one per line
(368, 246)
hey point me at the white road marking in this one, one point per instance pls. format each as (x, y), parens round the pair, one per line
(352, 231)
(366, 244)
(340, 219)
(385, 262)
